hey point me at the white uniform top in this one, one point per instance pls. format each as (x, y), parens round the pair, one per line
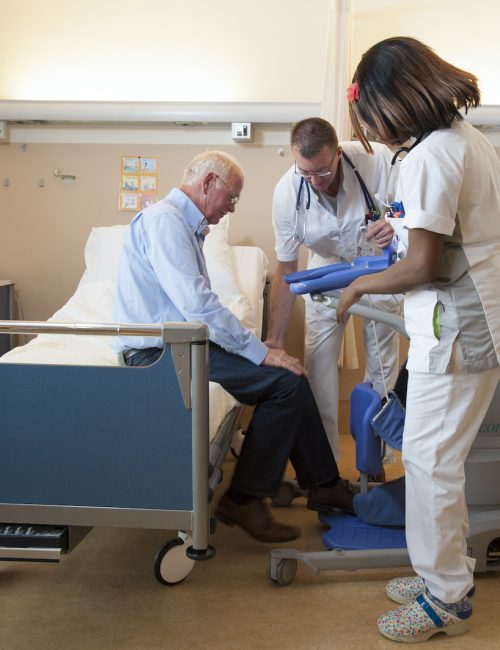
(330, 237)
(450, 184)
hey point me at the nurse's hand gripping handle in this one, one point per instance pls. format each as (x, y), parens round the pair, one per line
(338, 276)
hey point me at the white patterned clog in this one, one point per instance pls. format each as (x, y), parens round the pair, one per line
(405, 590)
(420, 620)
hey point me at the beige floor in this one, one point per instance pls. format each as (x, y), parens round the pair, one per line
(103, 597)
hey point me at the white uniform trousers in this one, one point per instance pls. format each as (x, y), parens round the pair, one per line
(443, 415)
(321, 353)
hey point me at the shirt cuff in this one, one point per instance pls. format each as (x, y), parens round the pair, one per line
(287, 257)
(255, 351)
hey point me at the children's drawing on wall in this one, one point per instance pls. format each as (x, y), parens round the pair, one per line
(138, 182)
(130, 183)
(128, 201)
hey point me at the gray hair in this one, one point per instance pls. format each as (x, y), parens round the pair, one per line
(218, 162)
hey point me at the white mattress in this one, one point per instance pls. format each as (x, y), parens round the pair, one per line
(91, 303)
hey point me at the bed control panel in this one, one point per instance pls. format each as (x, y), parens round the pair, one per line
(32, 542)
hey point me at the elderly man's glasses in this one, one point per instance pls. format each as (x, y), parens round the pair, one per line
(233, 198)
(320, 173)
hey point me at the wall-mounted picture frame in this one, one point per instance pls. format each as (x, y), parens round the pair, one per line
(138, 182)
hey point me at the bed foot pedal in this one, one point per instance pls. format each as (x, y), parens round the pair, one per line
(31, 542)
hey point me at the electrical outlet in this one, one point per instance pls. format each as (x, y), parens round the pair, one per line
(242, 131)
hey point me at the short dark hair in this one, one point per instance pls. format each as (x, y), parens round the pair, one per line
(406, 89)
(311, 135)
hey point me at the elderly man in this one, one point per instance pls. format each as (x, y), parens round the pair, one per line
(163, 277)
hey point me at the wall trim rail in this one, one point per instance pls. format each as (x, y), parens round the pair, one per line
(147, 112)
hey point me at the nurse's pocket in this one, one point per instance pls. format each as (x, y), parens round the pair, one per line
(421, 310)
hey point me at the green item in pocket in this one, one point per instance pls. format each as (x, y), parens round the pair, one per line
(435, 321)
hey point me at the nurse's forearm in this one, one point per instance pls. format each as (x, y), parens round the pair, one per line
(420, 266)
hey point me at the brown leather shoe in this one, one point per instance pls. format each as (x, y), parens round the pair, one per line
(324, 499)
(256, 519)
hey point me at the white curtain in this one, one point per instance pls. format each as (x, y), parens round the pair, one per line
(337, 68)
(334, 109)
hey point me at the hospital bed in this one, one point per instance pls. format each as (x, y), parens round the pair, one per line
(353, 544)
(89, 442)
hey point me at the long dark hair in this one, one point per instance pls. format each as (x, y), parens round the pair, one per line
(406, 89)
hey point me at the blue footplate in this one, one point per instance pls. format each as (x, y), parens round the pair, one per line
(350, 533)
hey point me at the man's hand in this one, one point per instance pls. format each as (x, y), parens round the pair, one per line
(381, 232)
(278, 358)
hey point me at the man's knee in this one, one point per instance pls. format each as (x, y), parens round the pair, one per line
(288, 383)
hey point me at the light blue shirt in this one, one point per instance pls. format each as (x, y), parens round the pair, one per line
(162, 276)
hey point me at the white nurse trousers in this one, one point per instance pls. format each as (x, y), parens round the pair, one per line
(443, 415)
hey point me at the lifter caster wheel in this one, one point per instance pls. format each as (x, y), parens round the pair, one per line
(283, 572)
(171, 564)
(287, 492)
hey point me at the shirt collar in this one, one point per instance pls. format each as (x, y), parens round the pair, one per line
(195, 218)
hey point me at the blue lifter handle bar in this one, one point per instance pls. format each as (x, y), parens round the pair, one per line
(338, 276)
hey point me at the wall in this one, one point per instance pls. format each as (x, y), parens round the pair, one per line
(44, 229)
(464, 33)
(162, 50)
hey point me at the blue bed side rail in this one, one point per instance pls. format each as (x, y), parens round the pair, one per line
(107, 436)
(337, 276)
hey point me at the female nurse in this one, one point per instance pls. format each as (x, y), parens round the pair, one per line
(448, 223)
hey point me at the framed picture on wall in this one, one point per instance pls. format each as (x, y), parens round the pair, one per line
(130, 165)
(148, 165)
(128, 201)
(148, 184)
(138, 182)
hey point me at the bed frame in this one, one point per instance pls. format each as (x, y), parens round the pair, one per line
(86, 446)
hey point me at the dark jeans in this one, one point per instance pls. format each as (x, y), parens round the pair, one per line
(286, 423)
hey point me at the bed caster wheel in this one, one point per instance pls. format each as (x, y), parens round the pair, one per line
(283, 572)
(287, 492)
(171, 564)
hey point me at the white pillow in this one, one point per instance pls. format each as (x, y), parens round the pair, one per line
(224, 276)
(102, 253)
(91, 302)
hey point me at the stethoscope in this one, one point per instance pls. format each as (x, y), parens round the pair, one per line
(395, 208)
(372, 213)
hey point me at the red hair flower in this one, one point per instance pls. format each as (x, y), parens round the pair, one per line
(353, 92)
